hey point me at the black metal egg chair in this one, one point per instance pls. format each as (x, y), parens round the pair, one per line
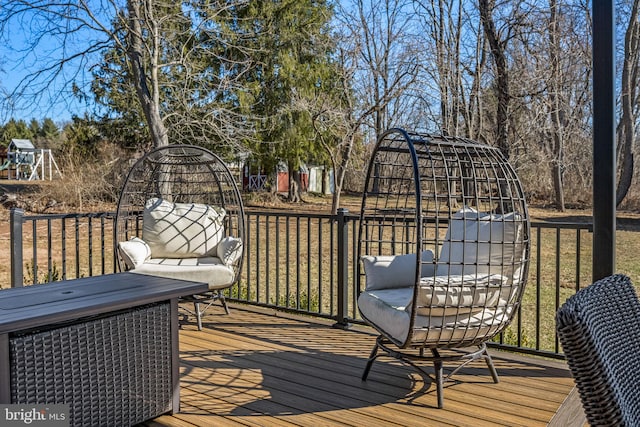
(180, 215)
(444, 249)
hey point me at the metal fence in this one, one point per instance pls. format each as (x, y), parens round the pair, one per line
(305, 263)
(47, 248)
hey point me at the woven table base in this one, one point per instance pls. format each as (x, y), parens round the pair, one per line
(111, 371)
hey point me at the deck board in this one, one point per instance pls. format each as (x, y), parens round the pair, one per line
(261, 368)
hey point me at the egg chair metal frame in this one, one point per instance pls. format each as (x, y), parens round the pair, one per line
(443, 244)
(180, 215)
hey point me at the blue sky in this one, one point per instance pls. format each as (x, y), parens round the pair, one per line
(18, 60)
(56, 101)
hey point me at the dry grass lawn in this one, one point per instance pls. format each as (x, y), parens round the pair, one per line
(541, 296)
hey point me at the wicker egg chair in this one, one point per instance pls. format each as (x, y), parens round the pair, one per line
(599, 329)
(444, 249)
(180, 215)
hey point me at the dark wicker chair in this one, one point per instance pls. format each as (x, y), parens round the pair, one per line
(599, 329)
(444, 245)
(180, 215)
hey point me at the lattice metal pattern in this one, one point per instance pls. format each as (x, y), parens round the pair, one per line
(462, 201)
(179, 174)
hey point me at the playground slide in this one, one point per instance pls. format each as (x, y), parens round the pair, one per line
(5, 165)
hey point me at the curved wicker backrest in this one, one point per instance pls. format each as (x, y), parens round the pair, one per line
(599, 329)
(180, 174)
(447, 218)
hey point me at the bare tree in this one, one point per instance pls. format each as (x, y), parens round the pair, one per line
(46, 60)
(376, 58)
(384, 57)
(550, 97)
(145, 73)
(564, 94)
(154, 48)
(376, 66)
(337, 121)
(455, 53)
(629, 101)
(498, 47)
(557, 112)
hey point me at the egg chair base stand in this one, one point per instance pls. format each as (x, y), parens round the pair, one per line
(202, 302)
(438, 359)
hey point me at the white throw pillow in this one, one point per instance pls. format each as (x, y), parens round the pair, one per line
(181, 230)
(394, 271)
(134, 252)
(229, 250)
(480, 243)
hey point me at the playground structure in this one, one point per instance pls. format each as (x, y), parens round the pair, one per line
(24, 161)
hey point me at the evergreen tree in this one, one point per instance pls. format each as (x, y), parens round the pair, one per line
(14, 129)
(34, 128)
(49, 130)
(81, 137)
(123, 121)
(287, 40)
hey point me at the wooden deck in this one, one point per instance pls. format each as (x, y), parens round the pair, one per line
(260, 368)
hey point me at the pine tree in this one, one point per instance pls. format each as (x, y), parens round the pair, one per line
(287, 42)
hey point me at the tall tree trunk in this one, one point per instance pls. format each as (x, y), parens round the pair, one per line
(502, 74)
(340, 170)
(295, 184)
(139, 12)
(445, 30)
(556, 109)
(629, 89)
(457, 71)
(338, 179)
(439, 34)
(474, 111)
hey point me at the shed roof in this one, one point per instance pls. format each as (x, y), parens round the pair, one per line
(23, 144)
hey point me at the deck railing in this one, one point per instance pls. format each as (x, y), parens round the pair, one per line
(305, 263)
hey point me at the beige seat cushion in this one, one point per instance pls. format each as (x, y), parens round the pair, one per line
(387, 309)
(206, 269)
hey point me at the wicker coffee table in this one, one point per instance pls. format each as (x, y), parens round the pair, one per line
(107, 346)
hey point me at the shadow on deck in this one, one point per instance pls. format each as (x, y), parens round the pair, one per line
(263, 368)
